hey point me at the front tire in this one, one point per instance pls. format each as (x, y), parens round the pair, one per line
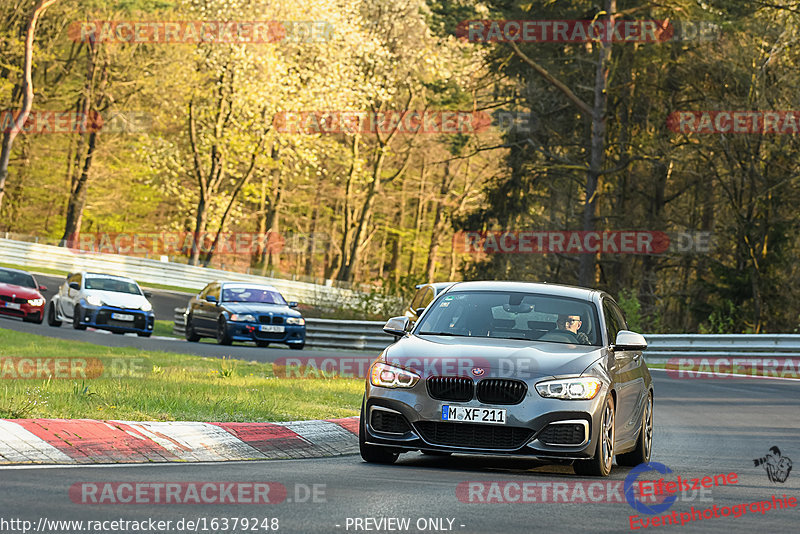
(644, 445)
(371, 453)
(52, 318)
(600, 465)
(76, 318)
(223, 337)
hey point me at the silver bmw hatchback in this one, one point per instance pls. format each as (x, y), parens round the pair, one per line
(512, 368)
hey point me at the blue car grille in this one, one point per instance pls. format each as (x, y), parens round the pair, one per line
(270, 319)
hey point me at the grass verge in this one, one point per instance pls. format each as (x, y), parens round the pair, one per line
(159, 386)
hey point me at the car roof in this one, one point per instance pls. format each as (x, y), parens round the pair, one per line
(576, 292)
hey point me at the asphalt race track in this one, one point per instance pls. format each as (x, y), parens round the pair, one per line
(164, 303)
(703, 428)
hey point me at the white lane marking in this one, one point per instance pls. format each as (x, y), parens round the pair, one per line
(717, 376)
(20, 445)
(196, 442)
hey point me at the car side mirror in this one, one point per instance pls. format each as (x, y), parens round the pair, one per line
(211, 298)
(293, 304)
(42, 288)
(148, 295)
(627, 340)
(396, 326)
(75, 285)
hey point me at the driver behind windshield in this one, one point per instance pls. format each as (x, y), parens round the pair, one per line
(572, 323)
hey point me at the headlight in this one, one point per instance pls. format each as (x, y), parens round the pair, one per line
(243, 318)
(389, 376)
(94, 300)
(35, 302)
(295, 320)
(147, 306)
(583, 388)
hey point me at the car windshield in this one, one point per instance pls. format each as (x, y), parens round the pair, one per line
(252, 294)
(112, 284)
(17, 279)
(512, 315)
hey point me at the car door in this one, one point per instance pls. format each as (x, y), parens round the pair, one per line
(69, 296)
(207, 312)
(629, 376)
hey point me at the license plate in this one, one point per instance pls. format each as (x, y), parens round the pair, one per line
(271, 328)
(121, 317)
(465, 414)
(14, 305)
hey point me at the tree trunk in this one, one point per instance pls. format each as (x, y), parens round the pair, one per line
(77, 199)
(27, 99)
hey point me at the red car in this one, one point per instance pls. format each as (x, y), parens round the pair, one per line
(20, 295)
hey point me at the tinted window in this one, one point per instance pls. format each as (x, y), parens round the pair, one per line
(17, 279)
(508, 315)
(252, 294)
(112, 284)
(612, 321)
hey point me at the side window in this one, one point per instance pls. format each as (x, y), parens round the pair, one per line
(416, 302)
(427, 298)
(623, 324)
(214, 291)
(612, 321)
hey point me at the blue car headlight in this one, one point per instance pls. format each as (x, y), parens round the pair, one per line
(243, 318)
(295, 320)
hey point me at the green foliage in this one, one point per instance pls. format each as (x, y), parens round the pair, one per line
(629, 303)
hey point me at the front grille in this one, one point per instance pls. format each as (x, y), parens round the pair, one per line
(16, 300)
(500, 391)
(269, 335)
(473, 436)
(563, 434)
(393, 423)
(270, 319)
(450, 388)
(9, 311)
(104, 317)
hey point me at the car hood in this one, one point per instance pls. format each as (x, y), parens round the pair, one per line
(259, 307)
(490, 357)
(20, 291)
(118, 300)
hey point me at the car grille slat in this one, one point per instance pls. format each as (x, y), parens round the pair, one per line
(16, 300)
(451, 388)
(562, 434)
(270, 319)
(501, 391)
(474, 436)
(392, 423)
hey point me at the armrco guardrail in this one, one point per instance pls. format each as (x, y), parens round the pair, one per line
(662, 348)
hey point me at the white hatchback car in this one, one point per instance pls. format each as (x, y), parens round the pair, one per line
(103, 301)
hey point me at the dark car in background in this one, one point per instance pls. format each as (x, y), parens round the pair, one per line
(514, 368)
(20, 295)
(242, 311)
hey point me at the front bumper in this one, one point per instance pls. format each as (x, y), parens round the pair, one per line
(291, 335)
(108, 318)
(535, 427)
(26, 311)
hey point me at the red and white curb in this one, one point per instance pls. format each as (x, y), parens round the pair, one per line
(88, 441)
